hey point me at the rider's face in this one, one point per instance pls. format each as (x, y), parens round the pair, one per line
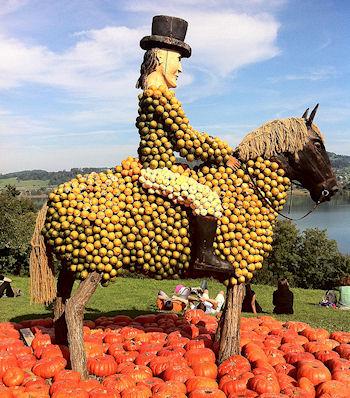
(171, 66)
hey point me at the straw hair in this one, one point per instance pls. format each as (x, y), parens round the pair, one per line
(276, 137)
(42, 278)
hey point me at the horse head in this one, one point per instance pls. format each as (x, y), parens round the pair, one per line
(311, 165)
(297, 145)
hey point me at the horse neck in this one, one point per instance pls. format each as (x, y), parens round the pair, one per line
(268, 178)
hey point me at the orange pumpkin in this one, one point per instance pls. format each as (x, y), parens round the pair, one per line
(70, 393)
(13, 377)
(103, 393)
(5, 392)
(137, 392)
(231, 384)
(264, 383)
(206, 369)
(334, 388)
(200, 382)
(173, 394)
(315, 334)
(102, 365)
(316, 372)
(47, 368)
(326, 355)
(67, 375)
(7, 361)
(137, 372)
(338, 364)
(170, 386)
(118, 382)
(343, 376)
(207, 393)
(236, 364)
(199, 355)
(178, 373)
(89, 384)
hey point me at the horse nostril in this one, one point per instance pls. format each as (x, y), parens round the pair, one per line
(334, 189)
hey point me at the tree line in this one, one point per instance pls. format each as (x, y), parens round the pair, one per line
(308, 259)
(54, 177)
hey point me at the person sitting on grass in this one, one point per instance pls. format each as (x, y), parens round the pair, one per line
(184, 297)
(329, 299)
(212, 306)
(283, 298)
(249, 302)
(6, 288)
(344, 293)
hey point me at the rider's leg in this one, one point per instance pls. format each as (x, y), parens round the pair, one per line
(206, 207)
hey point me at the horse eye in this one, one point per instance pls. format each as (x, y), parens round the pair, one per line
(318, 145)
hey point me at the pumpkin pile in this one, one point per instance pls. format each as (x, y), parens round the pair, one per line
(109, 222)
(168, 356)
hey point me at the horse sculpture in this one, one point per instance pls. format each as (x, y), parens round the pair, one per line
(101, 224)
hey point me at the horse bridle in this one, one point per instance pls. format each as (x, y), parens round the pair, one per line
(267, 202)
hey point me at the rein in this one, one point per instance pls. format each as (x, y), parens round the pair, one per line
(267, 202)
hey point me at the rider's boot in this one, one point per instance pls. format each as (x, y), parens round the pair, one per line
(204, 258)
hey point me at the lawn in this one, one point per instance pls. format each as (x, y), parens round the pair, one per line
(27, 185)
(133, 296)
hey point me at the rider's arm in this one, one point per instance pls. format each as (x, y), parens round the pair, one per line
(194, 145)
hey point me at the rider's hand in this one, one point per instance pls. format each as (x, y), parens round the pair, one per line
(233, 162)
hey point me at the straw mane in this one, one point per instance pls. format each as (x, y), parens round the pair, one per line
(275, 137)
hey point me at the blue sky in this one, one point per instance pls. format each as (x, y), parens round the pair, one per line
(68, 70)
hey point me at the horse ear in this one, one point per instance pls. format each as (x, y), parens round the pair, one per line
(312, 115)
(305, 114)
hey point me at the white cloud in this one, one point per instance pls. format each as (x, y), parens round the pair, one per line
(13, 125)
(324, 73)
(244, 40)
(97, 73)
(98, 65)
(104, 61)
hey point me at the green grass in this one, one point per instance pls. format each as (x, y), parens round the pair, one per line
(24, 185)
(133, 296)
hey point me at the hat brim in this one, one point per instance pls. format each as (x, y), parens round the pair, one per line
(169, 43)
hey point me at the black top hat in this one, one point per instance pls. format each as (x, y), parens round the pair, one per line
(169, 33)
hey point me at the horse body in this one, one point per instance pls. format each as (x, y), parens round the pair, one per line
(109, 223)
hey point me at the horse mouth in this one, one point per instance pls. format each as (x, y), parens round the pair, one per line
(324, 195)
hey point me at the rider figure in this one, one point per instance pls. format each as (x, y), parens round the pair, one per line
(160, 68)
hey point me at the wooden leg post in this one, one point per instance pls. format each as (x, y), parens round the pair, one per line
(64, 289)
(228, 333)
(74, 316)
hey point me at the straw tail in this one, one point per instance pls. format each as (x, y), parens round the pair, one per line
(42, 277)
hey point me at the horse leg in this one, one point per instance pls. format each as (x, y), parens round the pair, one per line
(228, 333)
(64, 289)
(75, 307)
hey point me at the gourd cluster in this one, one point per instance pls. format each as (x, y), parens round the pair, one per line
(108, 222)
(164, 127)
(182, 189)
(251, 197)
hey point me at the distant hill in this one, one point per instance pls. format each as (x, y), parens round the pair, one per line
(339, 162)
(53, 177)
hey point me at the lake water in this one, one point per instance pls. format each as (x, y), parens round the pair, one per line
(334, 216)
